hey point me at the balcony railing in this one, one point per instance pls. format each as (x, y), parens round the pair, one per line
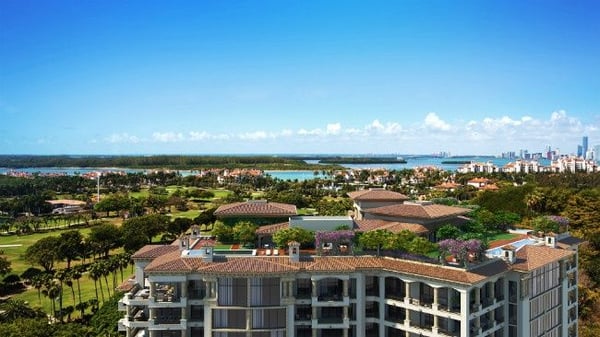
(330, 297)
(331, 320)
(303, 293)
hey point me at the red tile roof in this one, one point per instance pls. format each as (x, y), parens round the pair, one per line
(531, 257)
(421, 211)
(270, 229)
(221, 265)
(377, 195)
(392, 226)
(256, 208)
(154, 251)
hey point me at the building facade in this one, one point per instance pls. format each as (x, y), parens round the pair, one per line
(186, 290)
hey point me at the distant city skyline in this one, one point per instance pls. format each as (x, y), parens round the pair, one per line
(247, 77)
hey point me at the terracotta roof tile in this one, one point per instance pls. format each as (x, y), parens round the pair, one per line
(256, 208)
(224, 265)
(392, 226)
(377, 195)
(414, 210)
(531, 257)
(154, 251)
(270, 229)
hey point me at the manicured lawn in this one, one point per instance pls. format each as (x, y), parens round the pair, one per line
(221, 193)
(18, 264)
(222, 246)
(16, 254)
(191, 214)
(503, 236)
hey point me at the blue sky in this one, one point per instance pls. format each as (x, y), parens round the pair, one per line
(199, 77)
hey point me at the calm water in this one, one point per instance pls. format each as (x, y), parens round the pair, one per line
(412, 162)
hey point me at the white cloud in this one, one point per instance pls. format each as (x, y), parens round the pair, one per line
(334, 128)
(487, 135)
(122, 138)
(313, 132)
(167, 137)
(202, 135)
(387, 128)
(434, 122)
(257, 135)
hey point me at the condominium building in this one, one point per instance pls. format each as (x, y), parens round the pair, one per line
(190, 289)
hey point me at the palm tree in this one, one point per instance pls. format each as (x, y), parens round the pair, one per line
(81, 306)
(61, 275)
(15, 308)
(95, 275)
(105, 271)
(113, 265)
(76, 275)
(124, 259)
(69, 282)
(52, 291)
(38, 282)
(69, 309)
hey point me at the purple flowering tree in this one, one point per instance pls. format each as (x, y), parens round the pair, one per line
(461, 249)
(334, 243)
(551, 223)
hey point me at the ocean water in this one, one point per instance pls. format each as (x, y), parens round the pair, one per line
(412, 162)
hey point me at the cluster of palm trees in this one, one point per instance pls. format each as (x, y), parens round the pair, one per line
(52, 285)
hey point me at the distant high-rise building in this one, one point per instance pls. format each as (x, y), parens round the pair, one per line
(579, 151)
(584, 145)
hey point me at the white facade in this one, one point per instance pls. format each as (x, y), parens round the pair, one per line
(351, 296)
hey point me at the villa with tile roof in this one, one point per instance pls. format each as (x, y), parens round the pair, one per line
(372, 198)
(190, 289)
(428, 215)
(258, 211)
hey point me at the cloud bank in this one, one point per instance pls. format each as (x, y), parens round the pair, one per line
(488, 135)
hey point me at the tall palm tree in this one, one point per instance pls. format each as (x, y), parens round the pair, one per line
(124, 259)
(52, 291)
(69, 282)
(113, 266)
(95, 275)
(76, 275)
(61, 275)
(105, 271)
(38, 282)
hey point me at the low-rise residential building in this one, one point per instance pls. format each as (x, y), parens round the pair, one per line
(188, 290)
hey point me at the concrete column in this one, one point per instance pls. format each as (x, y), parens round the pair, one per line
(290, 321)
(291, 288)
(345, 288)
(360, 305)
(477, 297)
(434, 329)
(314, 288)
(435, 298)
(184, 289)
(407, 292)
(381, 302)
(207, 321)
(465, 311)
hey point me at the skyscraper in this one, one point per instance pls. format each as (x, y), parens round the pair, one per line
(584, 145)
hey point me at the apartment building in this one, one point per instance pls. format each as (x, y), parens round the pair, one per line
(188, 289)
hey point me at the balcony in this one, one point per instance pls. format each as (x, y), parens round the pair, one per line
(168, 316)
(303, 293)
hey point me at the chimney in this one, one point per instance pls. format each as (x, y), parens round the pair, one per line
(551, 240)
(207, 253)
(509, 254)
(184, 242)
(294, 251)
(195, 231)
